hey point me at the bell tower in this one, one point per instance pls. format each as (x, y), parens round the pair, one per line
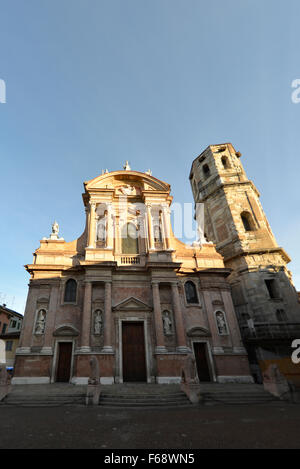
(234, 220)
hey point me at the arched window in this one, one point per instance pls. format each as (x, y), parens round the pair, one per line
(206, 170)
(190, 292)
(247, 221)
(70, 291)
(130, 242)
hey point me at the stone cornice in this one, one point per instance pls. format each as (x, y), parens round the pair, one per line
(250, 252)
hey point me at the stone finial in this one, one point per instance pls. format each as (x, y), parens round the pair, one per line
(189, 370)
(94, 388)
(94, 372)
(55, 228)
(149, 172)
(126, 166)
(54, 232)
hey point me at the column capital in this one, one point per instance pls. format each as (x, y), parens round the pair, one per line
(174, 283)
(155, 282)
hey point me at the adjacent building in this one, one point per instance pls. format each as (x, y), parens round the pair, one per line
(10, 328)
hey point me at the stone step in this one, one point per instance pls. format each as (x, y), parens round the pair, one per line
(254, 398)
(149, 399)
(120, 398)
(116, 403)
(143, 396)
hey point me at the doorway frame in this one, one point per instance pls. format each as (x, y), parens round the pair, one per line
(209, 356)
(147, 351)
(56, 358)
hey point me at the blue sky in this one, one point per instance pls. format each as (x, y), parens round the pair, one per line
(91, 83)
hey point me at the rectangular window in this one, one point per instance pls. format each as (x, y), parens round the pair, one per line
(4, 328)
(272, 288)
(8, 345)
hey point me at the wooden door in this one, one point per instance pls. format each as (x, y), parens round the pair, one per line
(133, 349)
(64, 362)
(200, 350)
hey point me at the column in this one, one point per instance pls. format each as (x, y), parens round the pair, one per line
(107, 346)
(150, 227)
(86, 318)
(52, 308)
(159, 331)
(166, 222)
(87, 221)
(117, 235)
(180, 332)
(109, 237)
(92, 227)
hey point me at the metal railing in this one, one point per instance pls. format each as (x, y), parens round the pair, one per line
(271, 330)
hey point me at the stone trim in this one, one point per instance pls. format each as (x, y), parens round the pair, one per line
(31, 380)
(235, 379)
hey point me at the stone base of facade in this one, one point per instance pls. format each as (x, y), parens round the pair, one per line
(41, 369)
(232, 369)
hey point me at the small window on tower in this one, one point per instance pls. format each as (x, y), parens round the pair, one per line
(247, 221)
(225, 162)
(281, 315)
(206, 170)
(272, 288)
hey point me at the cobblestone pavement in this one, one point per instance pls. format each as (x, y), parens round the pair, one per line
(261, 426)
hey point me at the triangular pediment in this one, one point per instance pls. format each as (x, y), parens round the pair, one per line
(132, 304)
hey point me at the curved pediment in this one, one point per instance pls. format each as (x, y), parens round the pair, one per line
(198, 331)
(132, 304)
(66, 330)
(127, 179)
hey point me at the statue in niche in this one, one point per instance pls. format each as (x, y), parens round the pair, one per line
(98, 322)
(157, 233)
(221, 323)
(101, 228)
(40, 323)
(167, 323)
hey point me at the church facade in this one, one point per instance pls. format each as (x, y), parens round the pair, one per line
(129, 293)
